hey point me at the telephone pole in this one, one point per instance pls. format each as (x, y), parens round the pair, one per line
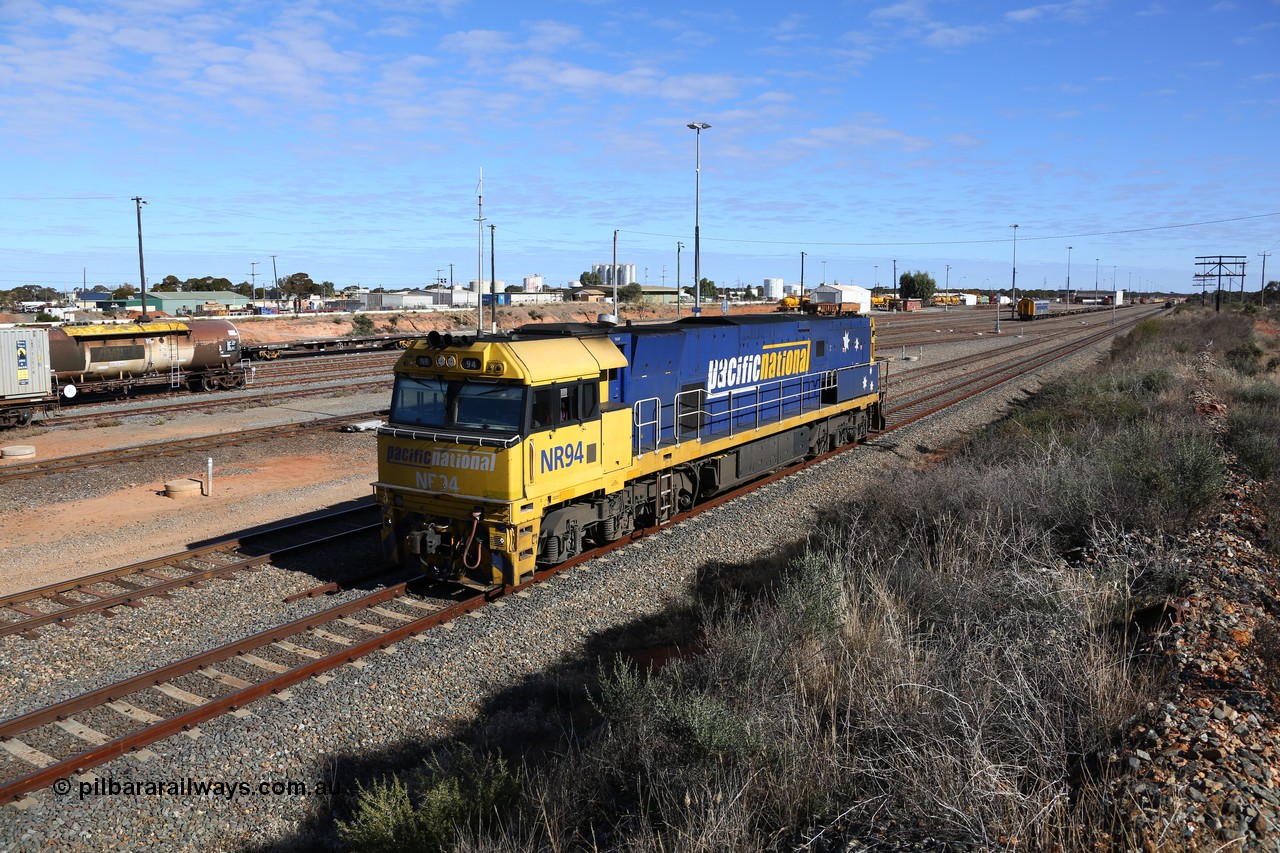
(139, 201)
(1262, 293)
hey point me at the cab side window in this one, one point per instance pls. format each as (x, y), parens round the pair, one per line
(546, 408)
(563, 404)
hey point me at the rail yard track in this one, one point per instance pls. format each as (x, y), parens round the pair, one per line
(112, 721)
(62, 464)
(60, 603)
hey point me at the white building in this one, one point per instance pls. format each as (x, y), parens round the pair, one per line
(773, 288)
(402, 300)
(533, 283)
(844, 295)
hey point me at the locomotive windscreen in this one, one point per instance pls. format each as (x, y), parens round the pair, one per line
(446, 404)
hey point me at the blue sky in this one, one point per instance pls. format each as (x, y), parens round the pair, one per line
(346, 139)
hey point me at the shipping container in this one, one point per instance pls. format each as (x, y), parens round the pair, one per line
(24, 364)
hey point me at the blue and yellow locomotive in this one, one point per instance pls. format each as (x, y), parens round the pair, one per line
(504, 453)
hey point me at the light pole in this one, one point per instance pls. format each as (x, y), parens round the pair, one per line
(1013, 306)
(1095, 281)
(800, 301)
(824, 272)
(697, 127)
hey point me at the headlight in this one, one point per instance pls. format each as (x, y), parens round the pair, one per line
(451, 361)
(439, 361)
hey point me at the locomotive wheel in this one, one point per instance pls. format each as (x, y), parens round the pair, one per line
(208, 383)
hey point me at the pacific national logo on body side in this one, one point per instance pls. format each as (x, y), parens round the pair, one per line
(778, 361)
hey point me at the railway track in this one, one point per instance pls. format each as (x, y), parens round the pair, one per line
(129, 586)
(241, 400)
(24, 470)
(178, 697)
(230, 677)
(932, 399)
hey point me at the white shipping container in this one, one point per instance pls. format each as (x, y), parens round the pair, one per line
(24, 363)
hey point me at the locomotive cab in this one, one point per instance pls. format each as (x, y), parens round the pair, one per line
(483, 439)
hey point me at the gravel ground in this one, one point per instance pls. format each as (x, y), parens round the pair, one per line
(379, 707)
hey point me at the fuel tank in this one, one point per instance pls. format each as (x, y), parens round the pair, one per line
(138, 349)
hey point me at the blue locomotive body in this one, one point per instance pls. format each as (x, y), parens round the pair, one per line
(705, 377)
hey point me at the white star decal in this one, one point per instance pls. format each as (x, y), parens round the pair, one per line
(846, 342)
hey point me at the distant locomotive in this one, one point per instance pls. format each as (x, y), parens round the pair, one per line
(41, 366)
(1032, 309)
(501, 454)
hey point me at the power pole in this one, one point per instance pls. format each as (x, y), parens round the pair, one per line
(1217, 266)
(275, 276)
(142, 272)
(1262, 293)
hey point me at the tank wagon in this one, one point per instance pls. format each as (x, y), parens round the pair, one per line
(42, 366)
(1032, 309)
(502, 454)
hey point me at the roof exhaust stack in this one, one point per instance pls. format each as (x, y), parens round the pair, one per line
(607, 319)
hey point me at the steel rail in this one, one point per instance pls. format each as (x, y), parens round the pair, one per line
(57, 591)
(173, 448)
(217, 706)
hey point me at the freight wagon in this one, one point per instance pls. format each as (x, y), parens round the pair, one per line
(41, 366)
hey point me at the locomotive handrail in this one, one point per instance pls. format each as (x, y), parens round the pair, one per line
(680, 407)
(455, 438)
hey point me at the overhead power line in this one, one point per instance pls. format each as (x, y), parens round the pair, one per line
(965, 242)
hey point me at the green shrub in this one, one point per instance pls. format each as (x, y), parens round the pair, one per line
(1161, 473)
(1253, 432)
(468, 794)
(387, 822)
(361, 325)
(1245, 357)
